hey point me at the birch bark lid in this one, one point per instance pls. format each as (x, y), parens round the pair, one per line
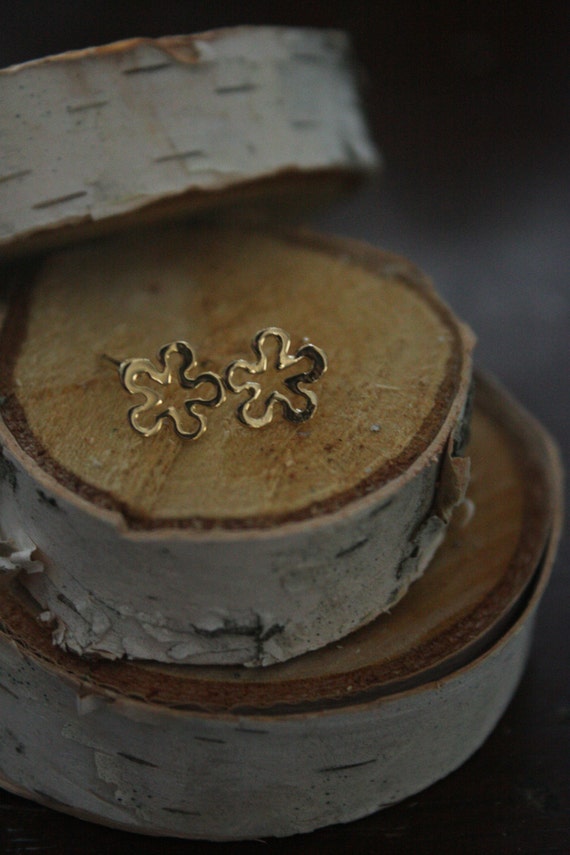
(244, 546)
(247, 117)
(139, 747)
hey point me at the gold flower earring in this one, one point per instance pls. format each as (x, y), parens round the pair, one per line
(239, 377)
(171, 392)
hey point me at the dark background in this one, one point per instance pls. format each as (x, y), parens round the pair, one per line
(470, 105)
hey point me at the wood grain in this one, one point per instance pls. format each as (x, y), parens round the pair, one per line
(395, 354)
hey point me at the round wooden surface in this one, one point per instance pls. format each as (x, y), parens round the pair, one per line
(466, 599)
(398, 359)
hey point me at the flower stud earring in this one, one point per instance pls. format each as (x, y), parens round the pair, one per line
(294, 372)
(171, 392)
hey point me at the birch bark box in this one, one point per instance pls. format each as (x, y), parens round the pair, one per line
(232, 753)
(246, 546)
(140, 185)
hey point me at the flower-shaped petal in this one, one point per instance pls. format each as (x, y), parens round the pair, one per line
(190, 423)
(293, 382)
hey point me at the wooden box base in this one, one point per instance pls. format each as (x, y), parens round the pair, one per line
(234, 753)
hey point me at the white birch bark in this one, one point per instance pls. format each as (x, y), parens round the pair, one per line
(106, 745)
(155, 127)
(159, 771)
(226, 596)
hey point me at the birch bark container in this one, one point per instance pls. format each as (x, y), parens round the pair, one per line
(247, 548)
(290, 546)
(232, 753)
(244, 546)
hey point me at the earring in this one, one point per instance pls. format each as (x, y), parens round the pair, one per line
(177, 365)
(237, 380)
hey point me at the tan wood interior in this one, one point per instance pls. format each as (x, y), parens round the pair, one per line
(394, 357)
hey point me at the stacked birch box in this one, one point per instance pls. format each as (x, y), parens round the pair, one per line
(209, 627)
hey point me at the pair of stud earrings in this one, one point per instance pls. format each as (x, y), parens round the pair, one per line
(177, 393)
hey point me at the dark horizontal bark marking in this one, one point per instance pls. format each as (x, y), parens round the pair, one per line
(59, 200)
(308, 57)
(9, 691)
(47, 500)
(147, 69)
(138, 760)
(380, 508)
(233, 90)
(66, 601)
(13, 175)
(210, 739)
(352, 548)
(180, 155)
(181, 811)
(305, 123)
(348, 766)
(92, 105)
(251, 730)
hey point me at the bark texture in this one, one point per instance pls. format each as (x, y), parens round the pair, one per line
(91, 740)
(145, 128)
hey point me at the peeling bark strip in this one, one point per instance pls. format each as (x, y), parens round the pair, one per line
(205, 89)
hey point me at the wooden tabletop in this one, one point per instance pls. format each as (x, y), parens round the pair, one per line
(468, 106)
